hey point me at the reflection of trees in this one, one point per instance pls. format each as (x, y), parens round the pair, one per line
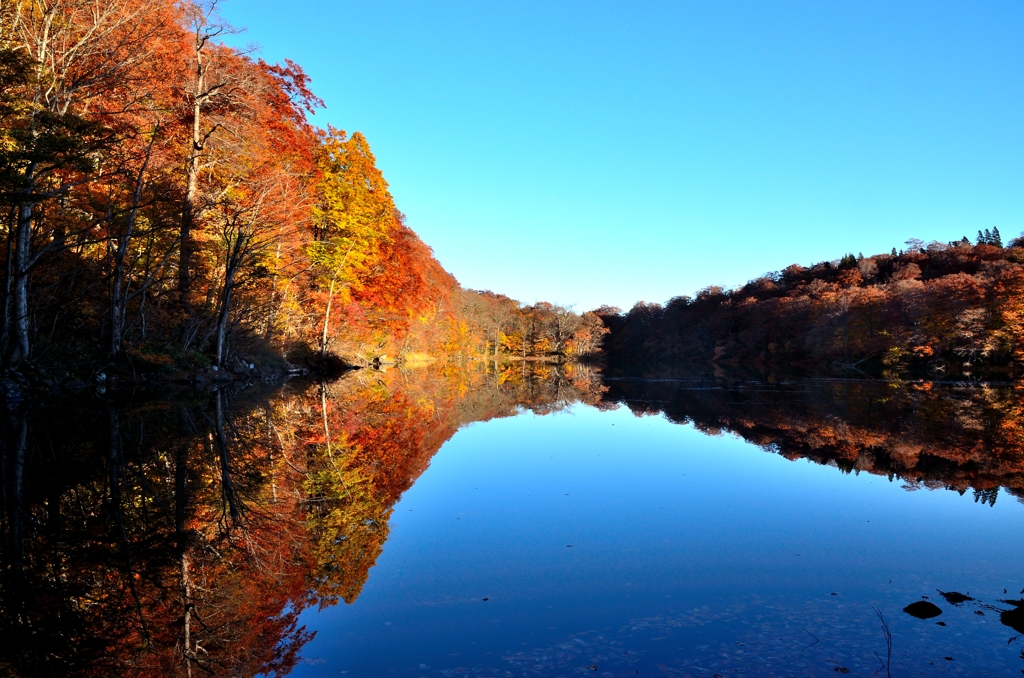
(928, 436)
(369, 437)
(152, 543)
(185, 537)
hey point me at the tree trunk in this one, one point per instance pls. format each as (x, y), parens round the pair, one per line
(8, 278)
(227, 486)
(327, 427)
(118, 296)
(19, 444)
(116, 307)
(187, 605)
(330, 298)
(188, 208)
(232, 262)
(19, 350)
(222, 316)
(327, 318)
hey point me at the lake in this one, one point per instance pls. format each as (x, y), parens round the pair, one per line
(520, 521)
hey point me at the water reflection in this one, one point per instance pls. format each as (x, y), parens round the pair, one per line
(187, 536)
(966, 438)
(146, 539)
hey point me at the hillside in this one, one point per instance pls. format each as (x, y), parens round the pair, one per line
(941, 310)
(170, 205)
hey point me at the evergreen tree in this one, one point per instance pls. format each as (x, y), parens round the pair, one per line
(893, 252)
(997, 239)
(981, 238)
(848, 261)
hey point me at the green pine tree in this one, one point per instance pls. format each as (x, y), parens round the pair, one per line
(997, 239)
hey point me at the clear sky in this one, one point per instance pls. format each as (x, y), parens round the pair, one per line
(589, 152)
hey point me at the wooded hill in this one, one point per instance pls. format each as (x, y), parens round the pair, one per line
(167, 202)
(941, 310)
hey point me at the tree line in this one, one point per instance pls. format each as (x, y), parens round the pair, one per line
(939, 309)
(167, 200)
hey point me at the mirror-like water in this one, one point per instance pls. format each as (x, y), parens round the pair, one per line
(510, 523)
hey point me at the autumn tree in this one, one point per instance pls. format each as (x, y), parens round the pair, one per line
(934, 309)
(353, 216)
(168, 202)
(63, 56)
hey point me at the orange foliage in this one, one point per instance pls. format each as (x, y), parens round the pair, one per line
(941, 310)
(172, 202)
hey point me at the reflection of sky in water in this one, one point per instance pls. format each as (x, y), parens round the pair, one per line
(635, 545)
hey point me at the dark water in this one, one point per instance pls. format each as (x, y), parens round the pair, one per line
(482, 523)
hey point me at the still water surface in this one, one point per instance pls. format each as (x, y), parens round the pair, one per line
(517, 522)
(598, 542)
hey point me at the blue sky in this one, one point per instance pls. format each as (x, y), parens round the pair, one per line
(608, 152)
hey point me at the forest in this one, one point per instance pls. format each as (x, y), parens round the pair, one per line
(171, 210)
(170, 207)
(953, 310)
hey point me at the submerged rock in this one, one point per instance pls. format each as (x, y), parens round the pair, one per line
(954, 597)
(922, 609)
(1013, 618)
